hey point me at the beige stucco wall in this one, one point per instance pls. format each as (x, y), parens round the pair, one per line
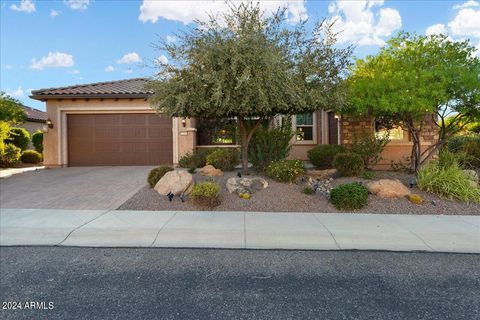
(55, 142)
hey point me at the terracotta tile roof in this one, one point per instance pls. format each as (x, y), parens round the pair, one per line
(129, 88)
(35, 115)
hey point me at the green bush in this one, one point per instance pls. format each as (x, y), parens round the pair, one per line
(224, 159)
(19, 137)
(369, 175)
(308, 190)
(31, 156)
(370, 148)
(9, 155)
(285, 170)
(198, 159)
(270, 144)
(449, 181)
(322, 156)
(156, 174)
(349, 196)
(188, 160)
(469, 145)
(348, 164)
(206, 194)
(37, 141)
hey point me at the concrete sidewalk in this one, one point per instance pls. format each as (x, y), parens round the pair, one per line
(252, 230)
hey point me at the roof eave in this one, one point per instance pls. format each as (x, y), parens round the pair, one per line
(43, 97)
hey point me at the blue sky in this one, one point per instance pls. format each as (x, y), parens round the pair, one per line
(60, 43)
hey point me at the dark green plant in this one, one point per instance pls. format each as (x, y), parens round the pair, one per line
(191, 170)
(206, 194)
(11, 109)
(348, 164)
(308, 190)
(19, 137)
(468, 149)
(37, 141)
(369, 175)
(349, 196)
(156, 174)
(31, 156)
(322, 156)
(188, 160)
(285, 170)
(224, 159)
(270, 144)
(9, 155)
(370, 148)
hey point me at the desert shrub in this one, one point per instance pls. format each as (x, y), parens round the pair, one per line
(469, 146)
(349, 196)
(188, 160)
(285, 170)
(196, 159)
(348, 164)
(19, 137)
(448, 181)
(369, 175)
(308, 190)
(369, 148)
(156, 174)
(270, 144)
(37, 141)
(224, 159)
(322, 156)
(31, 156)
(9, 155)
(206, 194)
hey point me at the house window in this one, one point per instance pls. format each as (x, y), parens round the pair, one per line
(216, 132)
(304, 123)
(394, 132)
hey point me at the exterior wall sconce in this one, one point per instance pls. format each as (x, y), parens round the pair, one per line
(337, 116)
(184, 122)
(49, 123)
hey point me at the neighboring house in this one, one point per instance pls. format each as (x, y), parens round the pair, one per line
(112, 123)
(36, 119)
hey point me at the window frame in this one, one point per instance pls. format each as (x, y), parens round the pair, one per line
(313, 126)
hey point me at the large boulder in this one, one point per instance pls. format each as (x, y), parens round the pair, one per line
(246, 185)
(388, 188)
(176, 182)
(210, 171)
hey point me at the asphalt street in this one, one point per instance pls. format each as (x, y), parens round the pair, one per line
(94, 283)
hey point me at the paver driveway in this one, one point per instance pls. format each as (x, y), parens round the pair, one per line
(73, 188)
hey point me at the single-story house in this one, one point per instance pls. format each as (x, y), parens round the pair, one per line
(112, 123)
(36, 119)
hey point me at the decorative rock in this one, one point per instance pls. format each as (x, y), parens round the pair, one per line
(415, 198)
(246, 185)
(210, 171)
(471, 175)
(322, 174)
(388, 188)
(176, 182)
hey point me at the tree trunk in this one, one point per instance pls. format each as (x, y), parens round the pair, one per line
(246, 136)
(416, 148)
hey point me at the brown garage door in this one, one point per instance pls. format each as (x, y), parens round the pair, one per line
(119, 139)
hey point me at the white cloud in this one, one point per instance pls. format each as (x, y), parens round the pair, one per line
(16, 93)
(188, 11)
(27, 6)
(438, 28)
(78, 4)
(54, 13)
(53, 60)
(128, 71)
(466, 23)
(467, 4)
(129, 58)
(362, 23)
(109, 69)
(8, 67)
(161, 60)
(76, 71)
(171, 39)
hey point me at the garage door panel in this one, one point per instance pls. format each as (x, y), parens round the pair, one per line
(119, 139)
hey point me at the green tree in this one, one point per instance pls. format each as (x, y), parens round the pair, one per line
(11, 109)
(245, 66)
(415, 77)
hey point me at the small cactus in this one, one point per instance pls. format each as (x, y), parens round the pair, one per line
(415, 198)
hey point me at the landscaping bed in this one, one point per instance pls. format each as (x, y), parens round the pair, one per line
(285, 197)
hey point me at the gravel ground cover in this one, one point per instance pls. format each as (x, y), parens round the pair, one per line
(283, 197)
